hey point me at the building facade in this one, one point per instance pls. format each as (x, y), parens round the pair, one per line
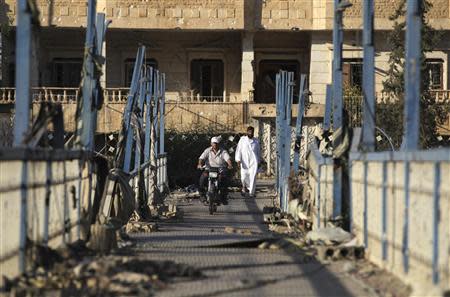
(217, 50)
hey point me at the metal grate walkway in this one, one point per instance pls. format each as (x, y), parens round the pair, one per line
(233, 266)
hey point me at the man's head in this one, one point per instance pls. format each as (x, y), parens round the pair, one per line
(250, 132)
(215, 143)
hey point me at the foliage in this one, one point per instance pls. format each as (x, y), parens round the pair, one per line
(390, 108)
(184, 149)
(353, 104)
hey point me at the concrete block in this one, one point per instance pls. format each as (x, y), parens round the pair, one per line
(142, 12)
(152, 12)
(109, 11)
(124, 12)
(301, 14)
(222, 13)
(134, 12)
(231, 13)
(177, 13)
(284, 5)
(82, 11)
(64, 11)
(284, 14)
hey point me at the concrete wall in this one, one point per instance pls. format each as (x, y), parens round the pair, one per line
(181, 116)
(370, 191)
(224, 14)
(381, 217)
(320, 187)
(68, 202)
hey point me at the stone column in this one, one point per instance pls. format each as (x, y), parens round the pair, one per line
(320, 67)
(248, 76)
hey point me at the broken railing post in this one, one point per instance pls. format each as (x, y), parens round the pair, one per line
(285, 84)
(84, 130)
(127, 131)
(299, 124)
(338, 36)
(412, 76)
(23, 62)
(162, 87)
(368, 138)
(328, 108)
(22, 113)
(148, 125)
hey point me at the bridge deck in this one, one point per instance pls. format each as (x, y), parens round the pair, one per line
(232, 263)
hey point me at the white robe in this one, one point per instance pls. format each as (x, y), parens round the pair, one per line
(248, 155)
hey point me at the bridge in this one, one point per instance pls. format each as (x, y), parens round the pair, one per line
(336, 218)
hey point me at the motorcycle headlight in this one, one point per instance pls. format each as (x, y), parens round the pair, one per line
(213, 174)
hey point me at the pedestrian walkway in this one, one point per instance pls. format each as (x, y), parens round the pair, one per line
(224, 246)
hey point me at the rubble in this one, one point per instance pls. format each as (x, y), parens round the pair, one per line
(141, 227)
(231, 230)
(166, 211)
(328, 236)
(102, 276)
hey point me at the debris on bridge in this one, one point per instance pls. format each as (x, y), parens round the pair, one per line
(100, 276)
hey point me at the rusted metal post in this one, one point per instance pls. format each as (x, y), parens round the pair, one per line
(85, 130)
(23, 62)
(337, 103)
(328, 108)
(128, 133)
(368, 137)
(148, 124)
(162, 92)
(299, 124)
(412, 76)
(338, 38)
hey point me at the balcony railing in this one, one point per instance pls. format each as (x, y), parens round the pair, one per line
(354, 108)
(69, 95)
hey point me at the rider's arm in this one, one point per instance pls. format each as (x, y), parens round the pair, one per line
(200, 163)
(201, 160)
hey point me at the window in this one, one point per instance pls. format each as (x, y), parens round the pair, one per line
(434, 74)
(207, 79)
(266, 79)
(66, 72)
(11, 77)
(1, 57)
(352, 72)
(129, 68)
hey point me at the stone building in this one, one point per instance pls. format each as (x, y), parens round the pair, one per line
(221, 51)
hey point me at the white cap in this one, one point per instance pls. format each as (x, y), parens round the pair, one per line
(215, 140)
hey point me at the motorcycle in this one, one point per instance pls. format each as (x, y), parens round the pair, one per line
(214, 193)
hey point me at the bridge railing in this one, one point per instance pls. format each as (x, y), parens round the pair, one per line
(46, 199)
(402, 215)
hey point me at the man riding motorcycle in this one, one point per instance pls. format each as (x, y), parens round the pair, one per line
(214, 156)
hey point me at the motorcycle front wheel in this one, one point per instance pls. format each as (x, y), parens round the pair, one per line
(211, 200)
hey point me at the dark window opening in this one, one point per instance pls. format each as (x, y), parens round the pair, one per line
(129, 68)
(434, 74)
(66, 72)
(266, 79)
(352, 73)
(207, 79)
(12, 75)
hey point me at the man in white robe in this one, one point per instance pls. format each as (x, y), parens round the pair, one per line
(247, 156)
